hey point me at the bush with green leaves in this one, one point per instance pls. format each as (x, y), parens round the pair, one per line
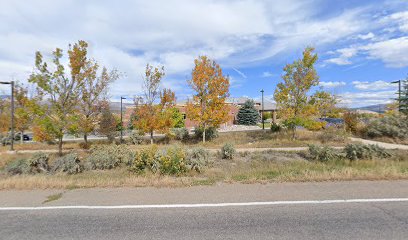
(69, 164)
(172, 160)
(145, 159)
(180, 133)
(108, 157)
(167, 161)
(136, 137)
(322, 153)
(228, 151)
(357, 151)
(19, 166)
(275, 127)
(388, 126)
(197, 159)
(210, 133)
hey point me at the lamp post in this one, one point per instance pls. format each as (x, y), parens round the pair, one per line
(121, 120)
(12, 114)
(263, 121)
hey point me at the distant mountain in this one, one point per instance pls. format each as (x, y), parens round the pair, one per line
(379, 108)
(115, 106)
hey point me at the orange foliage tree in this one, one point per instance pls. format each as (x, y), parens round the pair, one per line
(151, 115)
(211, 89)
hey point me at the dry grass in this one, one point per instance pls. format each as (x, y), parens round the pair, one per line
(245, 168)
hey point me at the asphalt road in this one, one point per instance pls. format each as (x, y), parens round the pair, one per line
(327, 210)
(320, 221)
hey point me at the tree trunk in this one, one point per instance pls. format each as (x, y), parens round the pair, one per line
(204, 134)
(22, 137)
(60, 146)
(151, 137)
(86, 139)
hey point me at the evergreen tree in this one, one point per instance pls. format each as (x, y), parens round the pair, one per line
(404, 97)
(248, 115)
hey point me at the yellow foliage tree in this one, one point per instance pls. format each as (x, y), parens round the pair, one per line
(211, 89)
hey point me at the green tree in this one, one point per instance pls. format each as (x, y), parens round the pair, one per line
(247, 114)
(404, 97)
(107, 122)
(61, 92)
(177, 117)
(291, 95)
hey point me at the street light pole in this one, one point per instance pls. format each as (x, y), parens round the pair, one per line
(12, 114)
(121, 120)
(262, 113)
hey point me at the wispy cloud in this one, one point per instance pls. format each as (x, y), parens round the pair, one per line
(239, 72)
(332, 84)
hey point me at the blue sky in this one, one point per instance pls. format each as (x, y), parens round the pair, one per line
(362, 45)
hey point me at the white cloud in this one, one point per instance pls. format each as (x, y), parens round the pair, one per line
(372, 86)
(369, 35)
(268, 74)
(345, 55)
(392, 52)
(358, 99)
(399, 18)
(332, 84)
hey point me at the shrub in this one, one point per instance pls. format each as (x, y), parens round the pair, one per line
(172, 161)
(168, 161)
(322, 154)
(210, 133)
(351, 121)
(228, 151)
(332, 134)
(84, 145)
(356, 151)
(144, 159)
(180, 133)
(313, 125)
(108, 157)
(69, 164)
(275, 127)
(39, 163)
(19, 166)
(198, 158)
(388, 126)
(136, 137)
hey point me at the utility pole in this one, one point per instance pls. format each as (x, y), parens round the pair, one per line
(399, 94)
(12, 114)
(121, 119)
(262, 113)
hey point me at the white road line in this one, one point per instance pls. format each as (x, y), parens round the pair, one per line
(210, 205)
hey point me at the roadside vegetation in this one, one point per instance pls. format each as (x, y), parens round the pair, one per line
(176, 166)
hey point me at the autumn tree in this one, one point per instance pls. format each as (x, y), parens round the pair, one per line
(4, 115)
(291, 95)
(324, 104)
(154, 114)
(24, 109)
(93, 89)
(61, 92)
(211, 89)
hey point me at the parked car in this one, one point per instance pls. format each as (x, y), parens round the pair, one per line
(17, 137)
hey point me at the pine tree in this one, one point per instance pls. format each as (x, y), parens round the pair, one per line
(247, 114)
(404, 97)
